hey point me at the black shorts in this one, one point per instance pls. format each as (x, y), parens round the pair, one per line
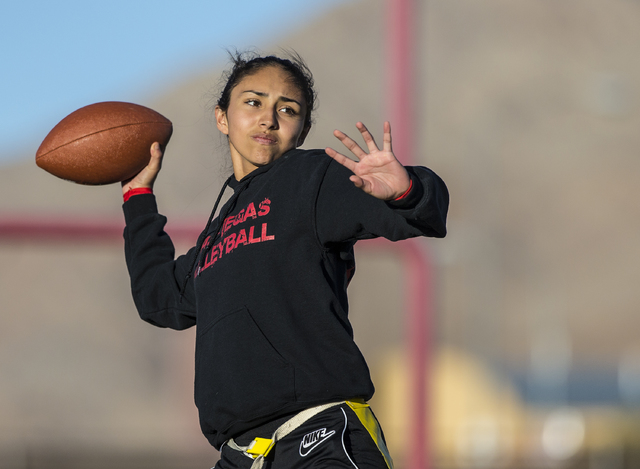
(345, 436)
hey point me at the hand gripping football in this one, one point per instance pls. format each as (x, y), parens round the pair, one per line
(103, 143)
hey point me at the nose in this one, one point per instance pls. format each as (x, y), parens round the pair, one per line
(269, 118)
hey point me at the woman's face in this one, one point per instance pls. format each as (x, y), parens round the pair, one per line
(265, 119)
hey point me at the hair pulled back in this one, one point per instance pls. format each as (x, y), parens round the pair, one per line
(248, 63)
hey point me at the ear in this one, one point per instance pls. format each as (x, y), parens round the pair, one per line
(303, 135)
(221, 120)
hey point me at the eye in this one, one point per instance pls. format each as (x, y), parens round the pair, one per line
(288, 110)
(253, 102)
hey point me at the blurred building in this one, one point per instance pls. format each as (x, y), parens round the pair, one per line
(528, 110)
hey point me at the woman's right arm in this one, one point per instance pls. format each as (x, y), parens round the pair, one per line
(156, 276)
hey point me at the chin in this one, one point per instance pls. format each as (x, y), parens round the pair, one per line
(266, 160)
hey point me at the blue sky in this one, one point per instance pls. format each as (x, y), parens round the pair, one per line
(59, 55)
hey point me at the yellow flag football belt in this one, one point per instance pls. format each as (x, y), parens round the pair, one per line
(259, 448)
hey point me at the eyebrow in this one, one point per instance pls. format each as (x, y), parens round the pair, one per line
(264, 95)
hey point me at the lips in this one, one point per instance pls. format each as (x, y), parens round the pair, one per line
(264, 139)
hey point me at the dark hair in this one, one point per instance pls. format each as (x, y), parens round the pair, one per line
(249, 63)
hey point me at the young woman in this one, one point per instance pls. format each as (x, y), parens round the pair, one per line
(279, 379)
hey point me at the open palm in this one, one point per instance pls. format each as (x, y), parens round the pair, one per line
(377, 172)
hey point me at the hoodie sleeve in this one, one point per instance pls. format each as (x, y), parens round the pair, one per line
(346, 213)
(156, 277)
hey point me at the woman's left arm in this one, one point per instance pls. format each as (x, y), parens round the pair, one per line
(368, 206)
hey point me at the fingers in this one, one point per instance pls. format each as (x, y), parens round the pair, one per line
(372, 146)
(368, 138)
(349, 143)
(340, 158)
(386, 137)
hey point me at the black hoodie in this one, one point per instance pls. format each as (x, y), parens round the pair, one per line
(270, 298)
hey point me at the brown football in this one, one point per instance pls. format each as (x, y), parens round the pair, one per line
(103, 143)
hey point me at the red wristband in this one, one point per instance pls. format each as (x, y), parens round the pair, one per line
(140, 190)
(407, 191)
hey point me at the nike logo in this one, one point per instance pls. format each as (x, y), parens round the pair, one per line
(313, 439)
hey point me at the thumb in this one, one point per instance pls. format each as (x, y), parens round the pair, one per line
(147, 176)
(155, 162)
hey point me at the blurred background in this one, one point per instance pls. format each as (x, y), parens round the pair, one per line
(528, 110)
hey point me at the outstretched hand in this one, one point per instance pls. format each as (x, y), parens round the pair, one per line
(147, 177)
(378, 172)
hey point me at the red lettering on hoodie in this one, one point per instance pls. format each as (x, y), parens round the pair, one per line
(230, 243)
(253, 240)
(218, 250)
(239, 218)
(265, 237)
(242, 238)
(211, 259)
(251, 211)
(264, 207)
